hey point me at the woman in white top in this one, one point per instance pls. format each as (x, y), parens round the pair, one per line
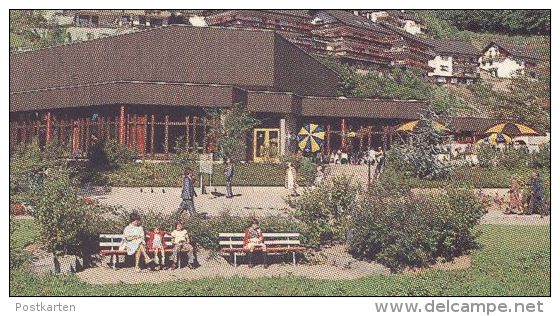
(135, 240)
(291, 179)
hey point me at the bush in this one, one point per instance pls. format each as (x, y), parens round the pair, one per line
(17, 256)
(325, 209)
(413, 230)
(487, 156)
(110, 154)
(306, 173)
(28, 164)
(183, 156)
(541, 159)
(205, 232)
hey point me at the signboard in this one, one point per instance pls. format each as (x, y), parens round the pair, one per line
(206, 163)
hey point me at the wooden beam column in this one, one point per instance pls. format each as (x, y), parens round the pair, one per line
(342, 133)
(152, 132)
(166, 135)
(122, 125)
(194, 125)
(187, 140)
(204, 126)
(328, 139)
(145, 138)
(49, 127)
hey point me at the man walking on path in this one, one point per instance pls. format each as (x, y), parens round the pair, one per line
(536, 195)
(228, 174)
(187, 195)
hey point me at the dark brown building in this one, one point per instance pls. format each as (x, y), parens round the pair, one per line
(151, 96)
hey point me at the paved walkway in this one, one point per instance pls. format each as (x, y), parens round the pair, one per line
(257, 201)
(247, 200)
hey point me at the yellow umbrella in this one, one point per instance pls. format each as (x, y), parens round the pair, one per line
(512, 129)
(310, 138)
(412, 125)
(494, 139)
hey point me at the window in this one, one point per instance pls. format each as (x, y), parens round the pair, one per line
(95, 20)
(444, 68)
(445, 58)
(142, 20)
(83, 20)
(156, 22)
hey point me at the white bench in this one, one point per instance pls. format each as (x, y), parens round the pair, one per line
(232, 243)
(109, 246)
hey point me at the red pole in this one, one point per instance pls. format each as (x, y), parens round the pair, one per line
(49, 127)
(121, 125)
(343, 133)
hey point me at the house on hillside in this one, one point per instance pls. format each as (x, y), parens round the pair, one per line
(455, 62)
(89, 24)
(506, 60)
(398, 18)
(335, 33)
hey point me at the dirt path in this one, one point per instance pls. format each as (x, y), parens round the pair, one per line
(335, 264)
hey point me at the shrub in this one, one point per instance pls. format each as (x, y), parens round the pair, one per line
(487, 156)
(512, 158)
(325, 209)
(541, 159)
(183, 156)
(413, 230)
(60, 213)
(306, 173)
(205, 232)
(28, 164)
(17, 256)
(110, 153)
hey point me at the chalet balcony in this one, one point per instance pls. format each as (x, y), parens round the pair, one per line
(497, 58)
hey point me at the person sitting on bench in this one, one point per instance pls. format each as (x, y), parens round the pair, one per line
(254, 239)
(181, 242)
(134, 240)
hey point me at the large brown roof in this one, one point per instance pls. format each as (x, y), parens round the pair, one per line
(255, 59)
(350, 19)
(364, 108)
(453, 47)
(519, 51)
(126, 92)
(472, 124)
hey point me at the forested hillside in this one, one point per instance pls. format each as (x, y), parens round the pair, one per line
(522, 99)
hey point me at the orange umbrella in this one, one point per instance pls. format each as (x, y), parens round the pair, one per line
(512, 129)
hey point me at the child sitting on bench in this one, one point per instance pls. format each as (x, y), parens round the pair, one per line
(156, 244)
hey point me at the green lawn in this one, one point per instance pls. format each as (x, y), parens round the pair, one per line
(512, 260)
(271, 174)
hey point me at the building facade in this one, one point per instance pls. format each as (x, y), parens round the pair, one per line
(398, 18)
(455, 62)
(158, 94)
(505, 60)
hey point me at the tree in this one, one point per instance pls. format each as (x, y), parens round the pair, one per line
(423, 156)
(447, 23)
(30, 29)
(60, 213)
(232, 129)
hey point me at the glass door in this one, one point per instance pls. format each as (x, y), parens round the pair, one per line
(266, 144)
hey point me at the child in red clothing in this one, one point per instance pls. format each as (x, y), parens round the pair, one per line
(156, 243)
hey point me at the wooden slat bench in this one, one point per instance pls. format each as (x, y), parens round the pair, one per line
(109, 246)
(232, 243)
